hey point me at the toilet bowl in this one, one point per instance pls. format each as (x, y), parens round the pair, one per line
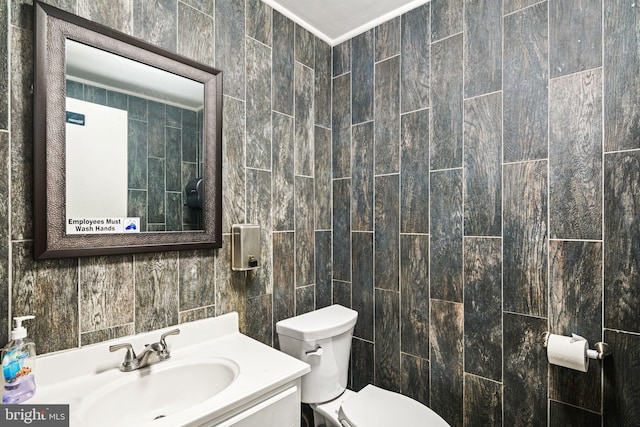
(322, 338)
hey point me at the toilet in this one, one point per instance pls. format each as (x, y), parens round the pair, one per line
(322, 338)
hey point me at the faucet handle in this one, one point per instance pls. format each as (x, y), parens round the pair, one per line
(130, 361)
(163, 341)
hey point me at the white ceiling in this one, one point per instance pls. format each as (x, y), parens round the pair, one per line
(335, 21)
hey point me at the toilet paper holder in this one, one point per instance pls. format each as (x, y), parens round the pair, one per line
(601, 351)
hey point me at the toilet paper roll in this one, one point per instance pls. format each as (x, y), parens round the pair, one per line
(570, 352)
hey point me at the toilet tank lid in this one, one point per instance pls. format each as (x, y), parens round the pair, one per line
(319, 324)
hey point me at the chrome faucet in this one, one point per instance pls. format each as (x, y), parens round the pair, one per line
(152, 353)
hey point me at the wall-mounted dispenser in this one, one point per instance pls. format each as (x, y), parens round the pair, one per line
(245, 247)
(194, 191)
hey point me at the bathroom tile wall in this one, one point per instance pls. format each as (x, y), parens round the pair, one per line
(277, 172)
(486, 177)
(466, 176)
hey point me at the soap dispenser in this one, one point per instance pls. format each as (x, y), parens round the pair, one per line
(18, 364)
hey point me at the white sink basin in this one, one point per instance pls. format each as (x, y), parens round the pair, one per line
(158, 391)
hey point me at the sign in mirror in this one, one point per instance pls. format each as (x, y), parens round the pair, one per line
(134, 141)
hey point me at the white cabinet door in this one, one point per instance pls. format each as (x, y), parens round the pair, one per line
(281, 410)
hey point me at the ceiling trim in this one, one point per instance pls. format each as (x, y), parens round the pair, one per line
(349, 35)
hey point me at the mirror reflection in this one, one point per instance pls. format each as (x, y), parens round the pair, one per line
(134, 145)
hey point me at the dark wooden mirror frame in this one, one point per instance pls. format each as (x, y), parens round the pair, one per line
(52, 28)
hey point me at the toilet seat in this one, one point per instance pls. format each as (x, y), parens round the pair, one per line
(376, 407)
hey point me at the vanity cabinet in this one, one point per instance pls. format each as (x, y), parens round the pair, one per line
(280, 410)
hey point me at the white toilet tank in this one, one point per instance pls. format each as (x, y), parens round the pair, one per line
(321, 338)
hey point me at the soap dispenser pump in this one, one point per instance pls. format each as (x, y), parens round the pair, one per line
(18, 365)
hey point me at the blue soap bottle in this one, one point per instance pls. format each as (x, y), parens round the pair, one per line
(18, 365)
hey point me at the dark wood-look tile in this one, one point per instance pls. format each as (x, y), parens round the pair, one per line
(233, 178)
(525, 239)
(115, 14)
(447, 347)
(195, 33)
(93, 337)
(230, 45)
(362, 58)
(259, 315)
(414, 80)
(21, 122)
(446, 235)
(483, 166)
(157, 285)
(258, 126)
(283, 276)
(259, 212)
(482, 402)
(387, 340)
(282, 156)
(387, 116)
(575, 306)
(197, 314)
(362, 364)
(414, 174)
(205, 6)
(511, 6)
(173, 171)
(575, 36)
(362, 283)
(415, 378)
(621, 379)
(621, 80)
(137, 154)
(447, 18)
(156, 208)
(621, 249)
(49, 290)
(386, 235)
(446, 103)
(4, 66)
(525, 370)
(483, 307)
(342, 229)
(137, 206)
(387, 42)
(156, 22)
(191, 140)
(322, 78)
(342, 58)
(283, 63)
(342, 293)
(414, 293)
(304, 83)
(259, 21)
(362, 156)
(304, 46)
(4, 229)
(305, 299)
(569, 416)
(322, 177)
(526, 77)
(231, 289)
(575, 156)
(324, 268)
(341, 126)
(107, 298)
(305, 264)
(95, 95)
(575, 289)
(482, 47)
(197, 279)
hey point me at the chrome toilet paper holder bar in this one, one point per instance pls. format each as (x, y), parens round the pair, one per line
(601, 351)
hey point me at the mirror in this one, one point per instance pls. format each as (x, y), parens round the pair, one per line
(127, 150)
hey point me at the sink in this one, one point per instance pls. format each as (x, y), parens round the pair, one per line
(215, 374)
(157, 392)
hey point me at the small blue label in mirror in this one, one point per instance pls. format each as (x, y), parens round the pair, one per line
(75, 118)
